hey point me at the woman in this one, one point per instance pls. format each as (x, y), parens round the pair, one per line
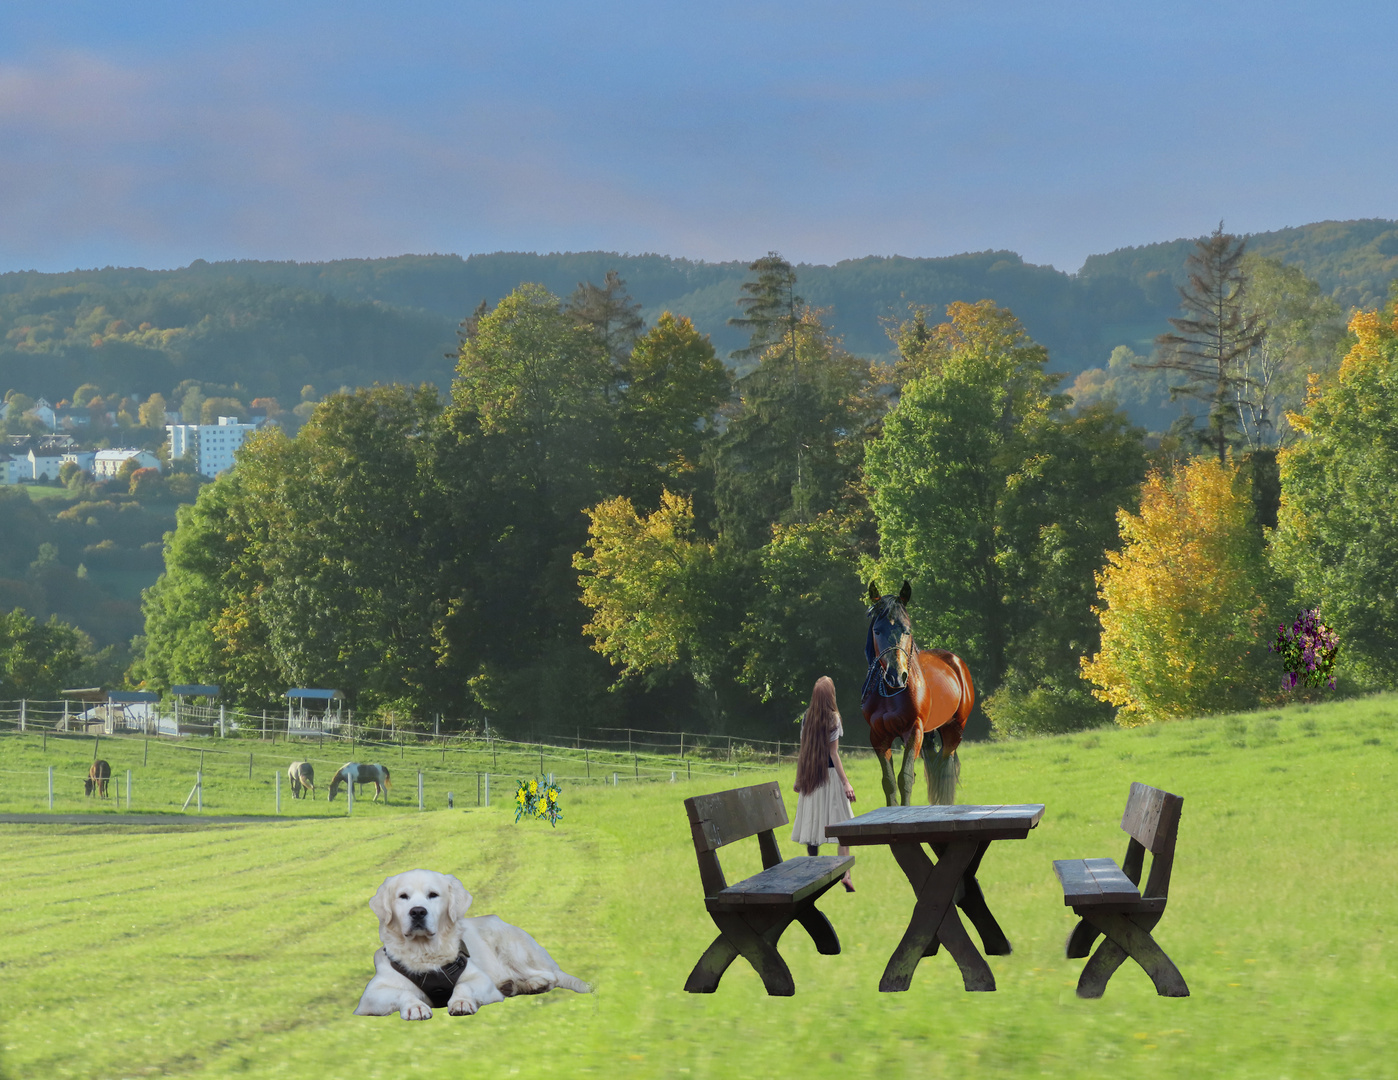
(823, 791)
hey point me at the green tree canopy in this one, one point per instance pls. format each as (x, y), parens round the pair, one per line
(1337, 533)
(996, 503)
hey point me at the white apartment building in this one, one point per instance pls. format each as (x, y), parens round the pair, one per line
(107, 463)
(211, 445)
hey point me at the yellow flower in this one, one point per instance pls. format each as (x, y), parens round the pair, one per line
(521, 797)
(533, 787)
(553, 795)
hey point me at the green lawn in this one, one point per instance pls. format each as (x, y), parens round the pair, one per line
(241, 950)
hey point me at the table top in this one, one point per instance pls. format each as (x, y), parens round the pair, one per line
(933, 824)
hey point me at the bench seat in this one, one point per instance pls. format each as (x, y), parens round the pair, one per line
(786, 883)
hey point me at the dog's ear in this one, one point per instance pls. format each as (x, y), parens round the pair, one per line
(382, 902)
(458, 899)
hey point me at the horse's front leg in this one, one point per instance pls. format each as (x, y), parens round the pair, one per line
(885, 755)
(912, 747)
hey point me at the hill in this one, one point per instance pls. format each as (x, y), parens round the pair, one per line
(270, 328)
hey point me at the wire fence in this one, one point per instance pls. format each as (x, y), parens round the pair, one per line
(159, 766)
(330, 728)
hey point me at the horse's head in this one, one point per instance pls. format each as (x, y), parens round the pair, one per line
(341, 777)
(890, 641)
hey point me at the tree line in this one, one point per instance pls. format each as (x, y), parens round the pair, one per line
(602, 524)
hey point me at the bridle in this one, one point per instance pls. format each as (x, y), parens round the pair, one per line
(877, 664)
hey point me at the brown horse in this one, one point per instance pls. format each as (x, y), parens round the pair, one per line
(97, 778)
(909, 693)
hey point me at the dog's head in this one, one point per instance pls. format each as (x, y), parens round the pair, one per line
(418, 907)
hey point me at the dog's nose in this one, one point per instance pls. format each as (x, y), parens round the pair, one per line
(418, 913)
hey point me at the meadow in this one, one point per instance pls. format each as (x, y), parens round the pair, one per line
(223, 950)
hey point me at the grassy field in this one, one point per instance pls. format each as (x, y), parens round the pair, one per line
(241, 950)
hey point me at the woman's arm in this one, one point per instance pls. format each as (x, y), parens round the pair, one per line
(840, 768)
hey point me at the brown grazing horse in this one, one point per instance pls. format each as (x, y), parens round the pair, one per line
(909, 693)
(97, 778)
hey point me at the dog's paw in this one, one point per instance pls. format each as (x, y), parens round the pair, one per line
(462, 1006)
(417, 1010)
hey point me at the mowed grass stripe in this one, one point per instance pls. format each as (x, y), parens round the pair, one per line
(244, 949)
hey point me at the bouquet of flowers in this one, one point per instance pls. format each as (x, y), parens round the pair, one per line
(538, 799)
(1308, 649)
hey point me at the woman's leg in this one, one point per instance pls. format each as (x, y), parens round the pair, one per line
(843, 849)
(812, 849)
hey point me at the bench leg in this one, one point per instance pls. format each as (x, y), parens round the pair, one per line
(818, 926)
(1081, 939)
(1129, 935)
(755, 937)
(711, 966)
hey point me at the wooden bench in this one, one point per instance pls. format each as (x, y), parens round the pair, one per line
(752, 914)
(1110, 904)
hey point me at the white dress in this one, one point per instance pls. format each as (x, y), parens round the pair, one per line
(824, 806)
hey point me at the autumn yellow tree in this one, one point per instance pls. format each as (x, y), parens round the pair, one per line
(641, 576)
(1186, 604)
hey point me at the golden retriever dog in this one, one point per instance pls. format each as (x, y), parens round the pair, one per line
(434, 956)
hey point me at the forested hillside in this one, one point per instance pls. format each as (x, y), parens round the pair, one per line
(271, 328)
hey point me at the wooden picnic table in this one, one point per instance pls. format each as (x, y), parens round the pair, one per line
(959, 837)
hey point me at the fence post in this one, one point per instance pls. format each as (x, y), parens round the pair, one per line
(487, 789)
(199, 786)
(277, 783)
(613, 779)
(688, 774)
(349, 804)
(478, 789)
(128, 789)
(21, 716)
(419, 789)
(98, 742)
(50, 787)
(221, 733)
(587, 757)
(65, 714)
(636, 764)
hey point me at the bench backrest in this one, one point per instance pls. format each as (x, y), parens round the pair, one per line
(726, 816)
(1152, 821)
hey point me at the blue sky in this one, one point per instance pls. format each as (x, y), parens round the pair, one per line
(153, 133)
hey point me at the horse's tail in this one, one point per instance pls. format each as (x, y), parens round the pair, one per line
(386, 784)
(943, 772)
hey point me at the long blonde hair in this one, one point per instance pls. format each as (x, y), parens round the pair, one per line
(822, 719)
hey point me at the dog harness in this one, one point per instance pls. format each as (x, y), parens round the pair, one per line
(438, 983)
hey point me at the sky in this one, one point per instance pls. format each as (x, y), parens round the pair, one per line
(155, 132)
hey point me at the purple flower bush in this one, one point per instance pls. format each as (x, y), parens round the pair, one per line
(1308, 649)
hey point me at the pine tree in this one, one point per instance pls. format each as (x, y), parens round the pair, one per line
(610, 311)
(1210, 342)
(771, 308)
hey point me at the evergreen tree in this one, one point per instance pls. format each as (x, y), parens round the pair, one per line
(611, 313)
(1211, 340)
(771, 308)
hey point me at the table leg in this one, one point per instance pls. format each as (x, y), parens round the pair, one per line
(934, 917)
(971, 900)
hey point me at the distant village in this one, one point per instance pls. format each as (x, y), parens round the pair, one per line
(40, 458)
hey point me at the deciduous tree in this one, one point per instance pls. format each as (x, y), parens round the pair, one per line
(1186, 604)
(1337, 533)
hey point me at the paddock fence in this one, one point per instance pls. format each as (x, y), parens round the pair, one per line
(225, 761)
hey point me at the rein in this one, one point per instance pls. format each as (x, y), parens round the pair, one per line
(876, 665)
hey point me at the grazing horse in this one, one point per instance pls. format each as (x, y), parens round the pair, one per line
(354, 773)
(909, 693)
(97, 778)
(303, 777)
